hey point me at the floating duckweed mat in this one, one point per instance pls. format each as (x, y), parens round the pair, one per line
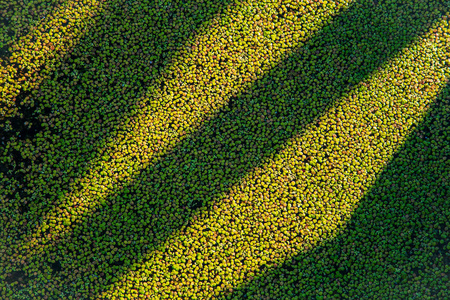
(225, 149)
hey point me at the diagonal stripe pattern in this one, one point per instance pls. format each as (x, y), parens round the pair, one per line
(280, 122)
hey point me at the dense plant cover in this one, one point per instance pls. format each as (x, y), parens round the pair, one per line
(224, 149)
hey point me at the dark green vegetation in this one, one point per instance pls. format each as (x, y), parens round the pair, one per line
(388, 250)
(225, 149)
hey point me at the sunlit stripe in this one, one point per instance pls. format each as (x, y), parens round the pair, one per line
(196, 105)
(354, 118)
(43, 46)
